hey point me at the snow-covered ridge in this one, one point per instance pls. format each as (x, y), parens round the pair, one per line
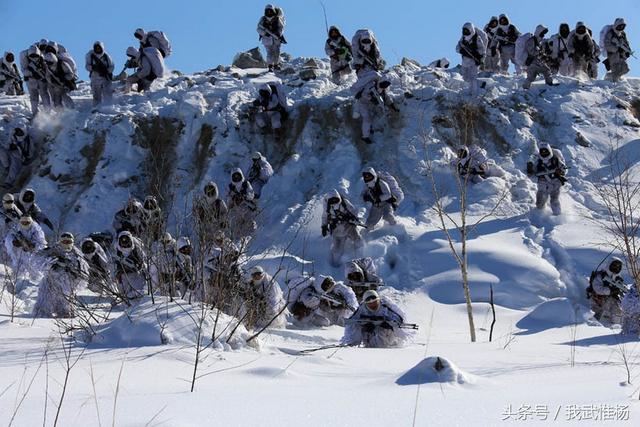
(191, 129)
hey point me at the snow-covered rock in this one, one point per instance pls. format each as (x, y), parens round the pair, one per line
(434, 369)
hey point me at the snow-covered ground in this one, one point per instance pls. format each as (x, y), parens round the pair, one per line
(547, 357)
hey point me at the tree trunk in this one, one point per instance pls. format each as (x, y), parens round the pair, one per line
(465, 281)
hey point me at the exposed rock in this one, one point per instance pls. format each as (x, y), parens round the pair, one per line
(250, 59)
(582, 140)
(410, 63)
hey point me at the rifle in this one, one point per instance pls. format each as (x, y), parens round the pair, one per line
(17, 81)
(377, 321)
(334, 301)
(101, 68)
(364, 284)
(475, 57)
(348, 218)
(23, 242)
(272, 34)
(627, 49)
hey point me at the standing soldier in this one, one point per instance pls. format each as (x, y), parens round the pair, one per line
(472, 48)
(606, 290)
(492, 58)
(507, 35)
(259, 173)
(270, 30)
(550, 170)
(10, 79)
(616, 46)
(34, 71)
(100, 67)
(339, 50)
(341, 221)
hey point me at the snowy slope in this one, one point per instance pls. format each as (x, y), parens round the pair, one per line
(194, 128)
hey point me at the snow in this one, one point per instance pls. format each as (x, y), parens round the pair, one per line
(545, 349)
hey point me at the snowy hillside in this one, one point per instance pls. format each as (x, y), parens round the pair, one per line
(192, 129)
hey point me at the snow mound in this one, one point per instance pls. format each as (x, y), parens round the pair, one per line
(555, 313)
(434, 369)
(171, 322)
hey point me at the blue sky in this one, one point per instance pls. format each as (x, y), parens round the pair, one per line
(205, 33)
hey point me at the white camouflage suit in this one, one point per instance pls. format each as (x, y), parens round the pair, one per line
(242, 206)
(25, 259)
(9, 75)
(68, 271)
(369, 97)
(562, 51)
(59, 76)
(308, 306)
(492, 57)
(34, 72)
(270, 30)
(130, 268)
(258, 173)
(340, 221)
(264, 303)
(507, 35)
(339, 51)
(605, 305)
(14, 153)
(100, 68)
(369, 278)
(272, 107)
(535, 65)
(473, 49)
(585, 51)
(378, 193)
(338, 315)
(549, 183)
(617, 50)
(356, 333)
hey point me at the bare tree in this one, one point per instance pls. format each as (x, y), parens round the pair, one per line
(459, 223)
(619, 192)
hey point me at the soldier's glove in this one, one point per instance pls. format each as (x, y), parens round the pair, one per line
(17, 243)
(530, 169)
(386, 325)
(367, 198)
(368, 328)
(325, 230)
(256, 103)
(560, 172)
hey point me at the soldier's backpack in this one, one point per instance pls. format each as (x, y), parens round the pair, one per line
(280, 14)
(603, 35)
(155, 59)
(394, 187)
(163, 44)
(521, 49)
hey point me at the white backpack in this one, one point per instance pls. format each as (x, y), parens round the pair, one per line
(603, 35)
(67, 59)
(280, 14)
(162, 42)
(394, 187)
(521, 49)
(155, 59)
(482, 35)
